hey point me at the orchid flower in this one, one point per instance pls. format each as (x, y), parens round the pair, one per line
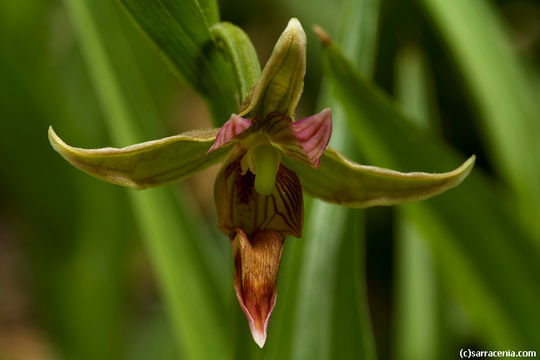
(268, 161)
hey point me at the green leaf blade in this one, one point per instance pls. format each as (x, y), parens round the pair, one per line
(331, 264)
(501, 89)
(210, 9)
(480, 222)
(180, 32)
(417, 302)
(184, 280)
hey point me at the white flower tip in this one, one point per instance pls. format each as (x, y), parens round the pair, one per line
(295, 29)
(294, 23)
(259, 336)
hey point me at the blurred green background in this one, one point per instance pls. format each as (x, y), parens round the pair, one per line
(89, 270)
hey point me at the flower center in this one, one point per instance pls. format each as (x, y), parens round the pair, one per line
(261, 159)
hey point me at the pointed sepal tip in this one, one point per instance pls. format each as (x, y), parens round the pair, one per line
(259, 337)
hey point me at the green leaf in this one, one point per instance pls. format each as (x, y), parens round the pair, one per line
(210, 9)
(180, 31)
(80, 261)
(416, 309)
(177, 248)
(146, 164)
(196, 316)
(415, 303)
(474, 214)
(241, 54)
(502, 90)
(282, 80)
(330, 317)
(341, 181)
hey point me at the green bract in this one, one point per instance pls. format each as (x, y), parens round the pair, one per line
(268, 158)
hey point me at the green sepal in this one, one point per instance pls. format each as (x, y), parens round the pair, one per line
(342, 181)
(146, 164)
(282, 80)
(236, 45)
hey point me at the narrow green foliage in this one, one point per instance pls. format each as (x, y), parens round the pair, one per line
(416, 329)
(177, 261)
(180, 32)
(502, 90)
(331, 262)
(210, 10)
(474, 214)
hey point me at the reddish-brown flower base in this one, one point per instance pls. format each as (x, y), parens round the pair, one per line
(256, 263)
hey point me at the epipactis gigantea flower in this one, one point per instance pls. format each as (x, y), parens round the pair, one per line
(268, 159)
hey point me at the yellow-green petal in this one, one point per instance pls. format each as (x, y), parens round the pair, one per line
(146, 164)
(282, 80)
(342, 181)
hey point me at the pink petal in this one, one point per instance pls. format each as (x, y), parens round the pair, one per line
(234, 126)
(313, 133)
